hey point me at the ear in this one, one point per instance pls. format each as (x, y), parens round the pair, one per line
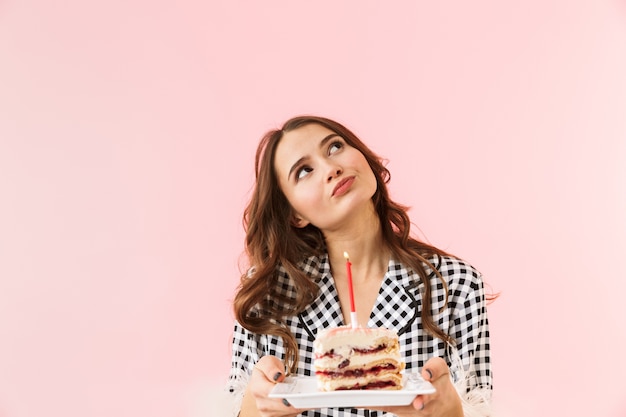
(299, 222)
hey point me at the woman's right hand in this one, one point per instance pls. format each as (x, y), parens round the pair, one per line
(267, 372)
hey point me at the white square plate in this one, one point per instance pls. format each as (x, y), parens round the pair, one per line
(302, 392)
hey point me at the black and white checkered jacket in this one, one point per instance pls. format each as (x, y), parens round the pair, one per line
(397, 307)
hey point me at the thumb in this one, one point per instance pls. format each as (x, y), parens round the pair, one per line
(272, 368)
(434, 369)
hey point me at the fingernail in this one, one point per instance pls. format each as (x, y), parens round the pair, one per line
(286, 402)
(277, 375)
(430, 374)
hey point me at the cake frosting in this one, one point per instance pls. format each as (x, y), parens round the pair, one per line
(347, 358)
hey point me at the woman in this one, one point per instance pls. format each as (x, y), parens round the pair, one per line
(321, 192)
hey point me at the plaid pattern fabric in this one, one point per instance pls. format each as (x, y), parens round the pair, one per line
(397, 307)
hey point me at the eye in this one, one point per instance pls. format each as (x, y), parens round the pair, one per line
(303, 172)
(334, 147)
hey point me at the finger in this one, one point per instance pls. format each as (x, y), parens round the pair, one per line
(419, 402)
(434, 369)
(272, 368)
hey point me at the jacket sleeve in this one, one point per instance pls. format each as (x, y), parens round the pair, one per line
(245, 354)
(470, 357)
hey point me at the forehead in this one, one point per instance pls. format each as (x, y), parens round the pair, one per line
(299, 143)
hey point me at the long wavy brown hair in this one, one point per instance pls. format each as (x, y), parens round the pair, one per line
(272, 240)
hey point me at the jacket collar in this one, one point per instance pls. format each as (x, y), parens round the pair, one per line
(396, 307)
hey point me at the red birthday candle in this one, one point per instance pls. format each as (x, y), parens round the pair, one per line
(353, 318)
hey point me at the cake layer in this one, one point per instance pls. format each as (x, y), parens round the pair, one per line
(362, 363)
(352, 360)
(341, 338)
(387, 382)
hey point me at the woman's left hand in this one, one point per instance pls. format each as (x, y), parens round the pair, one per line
(444, 402)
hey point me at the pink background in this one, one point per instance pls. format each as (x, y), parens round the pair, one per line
(127, 132)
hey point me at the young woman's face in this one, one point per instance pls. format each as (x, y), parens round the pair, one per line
(323, 178)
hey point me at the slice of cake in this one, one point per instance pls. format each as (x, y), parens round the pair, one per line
(356, 359)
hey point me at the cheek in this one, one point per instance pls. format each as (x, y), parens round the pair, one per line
(309, 204)
(356, 158)
(298, 197)
(364, 167)
(371, 178)
(304, 197)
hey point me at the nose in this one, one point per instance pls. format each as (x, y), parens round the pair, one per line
(333, 172)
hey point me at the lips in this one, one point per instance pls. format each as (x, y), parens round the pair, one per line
(343, 186)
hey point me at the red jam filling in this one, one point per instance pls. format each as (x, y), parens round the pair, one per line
(352, 373)
(331, 353)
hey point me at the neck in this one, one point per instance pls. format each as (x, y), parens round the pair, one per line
(365, 246)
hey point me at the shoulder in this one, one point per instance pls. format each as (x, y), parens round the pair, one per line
(453, 266)
(313, 266)
(459, 274)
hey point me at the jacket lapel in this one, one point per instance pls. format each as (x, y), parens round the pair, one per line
(325, 311)
(396, 307)
(398, 303)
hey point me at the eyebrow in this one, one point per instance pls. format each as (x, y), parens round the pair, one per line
(299, 161)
